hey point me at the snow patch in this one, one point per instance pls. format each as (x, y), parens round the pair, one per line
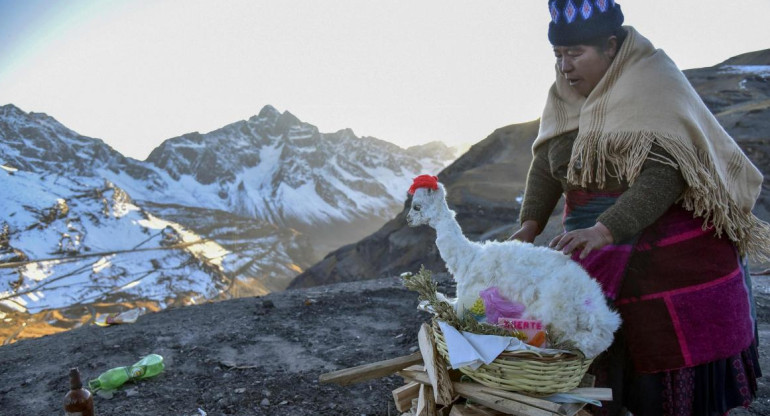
(761, 70)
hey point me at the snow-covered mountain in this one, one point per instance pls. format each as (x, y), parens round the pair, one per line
(272, 166)
(36, 142)
(68, 243)
(275, 167)
(237, 211)
(331, 189)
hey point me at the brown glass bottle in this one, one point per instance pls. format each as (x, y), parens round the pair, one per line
(79, 401)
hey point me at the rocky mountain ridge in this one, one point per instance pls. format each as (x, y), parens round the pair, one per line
(277, 168)
(261, 168)
(36, 142)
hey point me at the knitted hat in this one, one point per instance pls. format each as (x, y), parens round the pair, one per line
(423, 181)
(576, 21)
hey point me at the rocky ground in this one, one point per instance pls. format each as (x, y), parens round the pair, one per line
(250, 356)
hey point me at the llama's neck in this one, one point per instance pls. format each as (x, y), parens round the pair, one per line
(456, 250)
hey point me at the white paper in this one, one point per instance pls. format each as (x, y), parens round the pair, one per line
(461, 352)
(466, 349)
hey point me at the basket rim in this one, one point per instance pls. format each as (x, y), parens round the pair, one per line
(563, 355)
(526, 373)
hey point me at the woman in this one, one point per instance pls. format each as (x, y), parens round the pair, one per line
(658, 210)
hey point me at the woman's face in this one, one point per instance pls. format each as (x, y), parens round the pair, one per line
(584, 66)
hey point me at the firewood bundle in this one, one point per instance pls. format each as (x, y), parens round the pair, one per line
(431, 389)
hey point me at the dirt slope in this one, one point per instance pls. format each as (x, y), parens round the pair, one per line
(250, 356)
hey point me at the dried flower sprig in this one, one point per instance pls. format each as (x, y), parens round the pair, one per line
(427, 289)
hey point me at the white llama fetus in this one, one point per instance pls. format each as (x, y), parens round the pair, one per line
(554, 289)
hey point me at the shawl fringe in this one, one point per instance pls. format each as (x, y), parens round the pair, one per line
(594, 156)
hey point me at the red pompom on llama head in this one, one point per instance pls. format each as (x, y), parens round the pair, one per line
(424, 181)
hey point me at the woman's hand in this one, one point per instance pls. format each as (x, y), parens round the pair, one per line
(527, 232)
(589, 239)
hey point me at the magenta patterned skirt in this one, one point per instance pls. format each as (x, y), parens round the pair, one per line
(684, 296)
(710, 389)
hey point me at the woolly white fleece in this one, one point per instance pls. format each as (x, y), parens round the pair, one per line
(555, 289)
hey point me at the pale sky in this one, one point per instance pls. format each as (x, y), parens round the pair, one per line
(136, 72)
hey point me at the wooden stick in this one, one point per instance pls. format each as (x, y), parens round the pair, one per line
(425, 404)
(403, 396)
(523, 398)
(473, 387)
(369, 371)
(415, 367)
(465, 410)
(435, 367)
(504, 401)
(505, 405)
(595, 393)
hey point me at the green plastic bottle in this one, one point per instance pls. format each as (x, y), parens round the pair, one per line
(147, 367)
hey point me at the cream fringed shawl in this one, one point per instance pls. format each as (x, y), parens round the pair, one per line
(644, 99)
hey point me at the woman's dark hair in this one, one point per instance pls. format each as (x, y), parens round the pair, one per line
(600, 43)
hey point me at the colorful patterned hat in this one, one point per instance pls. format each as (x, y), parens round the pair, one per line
(576, 21)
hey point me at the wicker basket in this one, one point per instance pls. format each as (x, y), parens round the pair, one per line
(525, 371)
